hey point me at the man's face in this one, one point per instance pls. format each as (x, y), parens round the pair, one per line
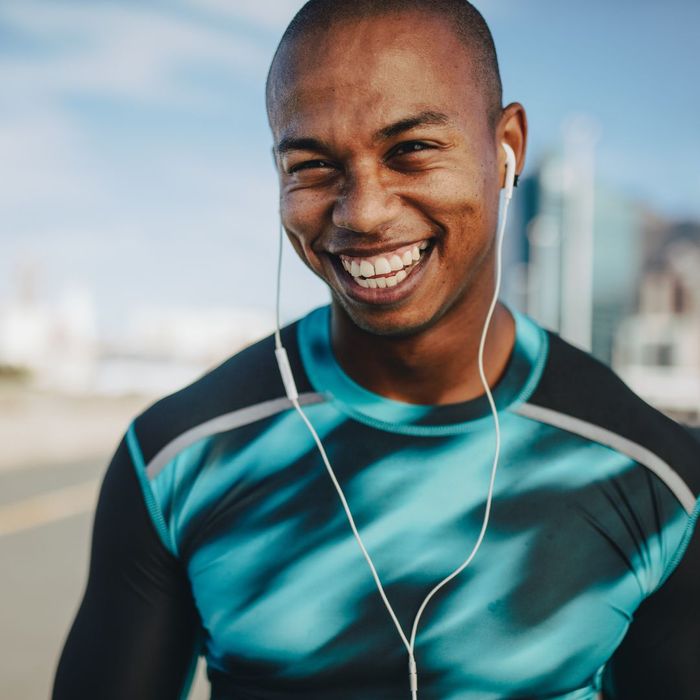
(384, 151)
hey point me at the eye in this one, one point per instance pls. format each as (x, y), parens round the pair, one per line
(410, 147)
(309, 165)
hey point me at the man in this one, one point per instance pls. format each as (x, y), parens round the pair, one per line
(218, 530)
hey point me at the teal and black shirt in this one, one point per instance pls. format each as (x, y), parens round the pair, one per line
(218, 532)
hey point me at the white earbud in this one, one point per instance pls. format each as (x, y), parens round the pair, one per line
(510, 170)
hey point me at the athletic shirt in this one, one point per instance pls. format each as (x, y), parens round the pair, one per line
(238, 548)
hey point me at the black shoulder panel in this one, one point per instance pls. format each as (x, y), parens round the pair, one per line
(136, 631)
(658, 658)
(576, 384)
(245, 379)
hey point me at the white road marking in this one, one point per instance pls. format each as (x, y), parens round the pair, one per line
(48, 507)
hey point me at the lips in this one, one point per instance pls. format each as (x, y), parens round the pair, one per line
(386, 269)
(377, 280)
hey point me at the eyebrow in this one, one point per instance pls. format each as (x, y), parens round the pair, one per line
(425, 118)
(290, 143)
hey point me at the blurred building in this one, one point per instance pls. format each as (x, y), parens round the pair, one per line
(54, 342)
(163, 349)
(608, 275)
(577, 247)
(657, 349)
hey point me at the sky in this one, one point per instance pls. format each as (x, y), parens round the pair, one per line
(135, 152)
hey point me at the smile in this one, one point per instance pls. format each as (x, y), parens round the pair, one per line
(386, 270)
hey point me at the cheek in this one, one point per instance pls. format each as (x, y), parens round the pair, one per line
(460, 200)
(465, 201)
(302, 215)
(457, 185)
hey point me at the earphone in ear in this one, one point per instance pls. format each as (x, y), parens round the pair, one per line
(510, 170)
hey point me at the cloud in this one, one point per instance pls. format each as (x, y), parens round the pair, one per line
(118, 51)
(44, 163)
(53, 164)
(269, 15)
(276, 14)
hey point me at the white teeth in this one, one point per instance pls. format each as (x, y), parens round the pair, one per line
(381, 266)
(366, 269)
(395, 262)
(382, 282)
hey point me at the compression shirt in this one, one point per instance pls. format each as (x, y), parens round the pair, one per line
(218, 532)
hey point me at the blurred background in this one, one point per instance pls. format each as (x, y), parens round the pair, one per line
(138, 230)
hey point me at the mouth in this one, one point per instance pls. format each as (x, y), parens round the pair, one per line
(384, 278)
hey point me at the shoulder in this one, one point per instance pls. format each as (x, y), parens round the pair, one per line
(582, 395)
(245, 387)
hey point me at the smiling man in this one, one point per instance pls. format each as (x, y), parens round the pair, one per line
(218, 530)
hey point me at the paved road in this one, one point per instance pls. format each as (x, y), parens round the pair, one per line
(45, 524)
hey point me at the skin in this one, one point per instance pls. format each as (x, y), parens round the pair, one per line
(356, 191)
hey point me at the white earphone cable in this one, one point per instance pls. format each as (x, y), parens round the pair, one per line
(290, 386)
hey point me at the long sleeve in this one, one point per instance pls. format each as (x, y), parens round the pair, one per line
(136, 631)
(660, 655)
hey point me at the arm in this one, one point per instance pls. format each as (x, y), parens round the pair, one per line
(135, 635)
(660, 655)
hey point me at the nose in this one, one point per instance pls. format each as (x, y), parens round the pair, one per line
(365, 204)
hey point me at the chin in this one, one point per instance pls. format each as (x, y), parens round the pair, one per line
(398, 323)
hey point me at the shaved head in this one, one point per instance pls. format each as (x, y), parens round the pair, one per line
(322, 16)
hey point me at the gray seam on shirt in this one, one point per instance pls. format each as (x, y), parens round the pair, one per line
(226, 421)
(606, 437)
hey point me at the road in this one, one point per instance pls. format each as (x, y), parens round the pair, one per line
(45, 523)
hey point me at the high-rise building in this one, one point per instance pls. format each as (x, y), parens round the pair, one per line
(657, 349)
(576, 247)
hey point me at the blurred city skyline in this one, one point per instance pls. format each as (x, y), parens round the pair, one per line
(135, 152)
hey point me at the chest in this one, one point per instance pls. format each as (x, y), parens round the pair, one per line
(288, 601)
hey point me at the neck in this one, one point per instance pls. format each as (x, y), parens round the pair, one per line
(436, 366)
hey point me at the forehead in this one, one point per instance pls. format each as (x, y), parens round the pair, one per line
(365, 73)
